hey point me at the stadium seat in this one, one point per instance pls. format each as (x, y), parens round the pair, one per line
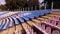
(30, 23)
(58, 24)
(2, 25)
(5, 28)
(20, 19)
(19, 29)
(7, 24)
(11, 22)
(27, 28)
(11, 26)
(43, 26)
(15, 20)
(48, 30)
(26, 18)
(11, 30)
(55, 32)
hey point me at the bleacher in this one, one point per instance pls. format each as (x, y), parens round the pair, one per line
(30, 22)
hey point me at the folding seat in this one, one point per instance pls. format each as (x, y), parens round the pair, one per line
(33, 22)
(11, 21)
(26, 18)
(5, 28)
(11, 26)
(55, 13)
(55, 32)
(30, 23)
(43, 19)
(53, 22)
(38, 13)
(49, 10)
(48, 30)
(28, 14)
(15, 19)
(40, 29)
(20, 19)
(43, 26)
(11, 30)
(39, 24)
(19, 29)
(39, 18)
(7, 24)
(46, 17)
(2, 24)
(44, 11)
(31, 16)
(36, 21)
(58, 24)
(27, 28)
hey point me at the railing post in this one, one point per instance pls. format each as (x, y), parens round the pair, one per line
(52, 6)
(45, 5)
(23, 9)
(35, 7)
(28, 8)
(31, 8)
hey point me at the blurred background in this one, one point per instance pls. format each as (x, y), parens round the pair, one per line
(26, 5)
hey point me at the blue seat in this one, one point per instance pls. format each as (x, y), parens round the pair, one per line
(33, 14)
(1, 13)
(16, 21)
(7, 24)
(26, 18)
(47, 11)
(1, 22)
(29, 14)
(2, 25)
(40, 12)
(11, 22)
(21, 20)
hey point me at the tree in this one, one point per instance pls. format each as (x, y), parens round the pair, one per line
(15, 4)
(56, 3)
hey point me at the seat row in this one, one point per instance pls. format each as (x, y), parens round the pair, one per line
(47, 24)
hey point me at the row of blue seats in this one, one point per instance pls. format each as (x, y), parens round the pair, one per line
(1, 13)
(36, 13)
